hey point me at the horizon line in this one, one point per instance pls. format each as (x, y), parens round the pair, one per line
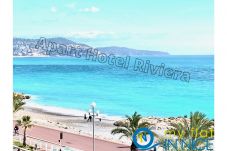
(47, 37)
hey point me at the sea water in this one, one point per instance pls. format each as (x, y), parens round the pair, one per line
(74, 83)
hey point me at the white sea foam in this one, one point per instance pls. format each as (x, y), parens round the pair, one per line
(64, 111)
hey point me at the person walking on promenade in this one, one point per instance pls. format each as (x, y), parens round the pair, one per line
(16, 128)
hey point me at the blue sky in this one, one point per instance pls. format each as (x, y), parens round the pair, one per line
(176, 26)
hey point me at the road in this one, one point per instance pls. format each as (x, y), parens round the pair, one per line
(73, 140)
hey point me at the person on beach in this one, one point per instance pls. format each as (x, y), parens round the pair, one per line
(89, 118)
(85, 116)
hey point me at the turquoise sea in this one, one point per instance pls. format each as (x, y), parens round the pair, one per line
(74, 83)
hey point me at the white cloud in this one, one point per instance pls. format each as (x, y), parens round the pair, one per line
(90, 34)
(92, 9)
(53, 9)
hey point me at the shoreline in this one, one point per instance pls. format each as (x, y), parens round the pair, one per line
(74, 124)
(61, 111)
(72, 121)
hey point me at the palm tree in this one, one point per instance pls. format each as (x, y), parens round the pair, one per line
(25, 122)
(128, 128)
(18, 101)
(196, 124)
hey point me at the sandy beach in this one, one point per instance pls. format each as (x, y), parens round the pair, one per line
(73, 121)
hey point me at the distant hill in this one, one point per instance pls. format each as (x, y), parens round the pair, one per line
(130, 51)
(26, 47)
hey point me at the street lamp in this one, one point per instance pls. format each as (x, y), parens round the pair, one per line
(93, 105)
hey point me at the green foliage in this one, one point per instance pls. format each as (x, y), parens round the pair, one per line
(25, 122)
(197, 125)
(128, 128)
(18, 102)
(19, 144)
